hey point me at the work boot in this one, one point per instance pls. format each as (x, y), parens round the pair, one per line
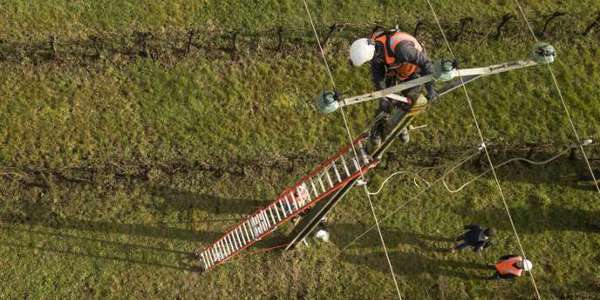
(404, 136)
(376, 133)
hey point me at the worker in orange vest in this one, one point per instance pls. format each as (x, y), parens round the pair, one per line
(395, 57)
(511, 266)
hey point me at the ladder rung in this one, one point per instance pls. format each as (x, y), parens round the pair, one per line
(364, 155)
(314, 188)
(264, 223)
(329, 178)
(255, 232)
(245, 229)
(294, 201)
(232, 243)
(299, 196)
(244, 235)
(272, 215)
(258, 226)
(215, 252)
(239, 236)
(337, 173)
(225, 248)
(204, 260)
(209, 257)
(238, 244)
(345, 165)
(303, 194)
(222, 250)
(236, 241)
(277, 212)
(356, 164)
(214, 255)
(287, 202)
(266, 218)
(322, 184)
(282, 207)
(248, 236)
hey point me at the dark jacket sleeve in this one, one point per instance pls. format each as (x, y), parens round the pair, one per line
(378, 73)
(378, 68)
(424, 63)
(422, 60)
(426, 68)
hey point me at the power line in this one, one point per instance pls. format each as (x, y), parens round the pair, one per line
(562, 100)
(355, 154)
(487, 154)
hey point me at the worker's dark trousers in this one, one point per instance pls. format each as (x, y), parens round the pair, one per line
(386, 105)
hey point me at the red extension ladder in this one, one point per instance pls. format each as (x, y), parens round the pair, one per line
(328, 177)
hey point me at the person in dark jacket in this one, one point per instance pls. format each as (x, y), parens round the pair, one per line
(395, 57)
(476, 237)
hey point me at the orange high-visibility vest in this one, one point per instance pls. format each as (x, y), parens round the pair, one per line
(509, 266)
(390, 40)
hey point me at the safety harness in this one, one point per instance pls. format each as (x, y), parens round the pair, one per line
(389, 40)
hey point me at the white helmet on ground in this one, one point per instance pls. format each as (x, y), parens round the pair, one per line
(322, 235)
(526, 265)
(361, 51)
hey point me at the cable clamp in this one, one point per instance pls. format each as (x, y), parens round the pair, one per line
(482, 147)
(587, 142)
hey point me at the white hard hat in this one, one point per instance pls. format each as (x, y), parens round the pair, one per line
(527, 265)
(322, 235)
(361, 51)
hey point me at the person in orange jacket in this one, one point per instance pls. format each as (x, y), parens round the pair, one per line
(395, 57)
(511, 266)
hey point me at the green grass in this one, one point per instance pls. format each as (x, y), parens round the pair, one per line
(113, 172)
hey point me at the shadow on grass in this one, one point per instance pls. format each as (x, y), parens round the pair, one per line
(537, 218)
(179, 200)
(33, 216)
(342, 234)
(99, 249)
(415, 264)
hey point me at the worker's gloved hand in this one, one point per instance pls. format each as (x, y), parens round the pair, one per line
(337, 95)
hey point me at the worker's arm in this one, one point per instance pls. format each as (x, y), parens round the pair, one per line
(482, 245)
(420, 59)
(486, 244)
(378, 74)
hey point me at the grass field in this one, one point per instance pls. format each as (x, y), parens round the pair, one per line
(114, 170)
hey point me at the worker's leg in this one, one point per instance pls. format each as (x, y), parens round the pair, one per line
(381, 116)
(460, 238)
(412, 95)
(458, 247)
